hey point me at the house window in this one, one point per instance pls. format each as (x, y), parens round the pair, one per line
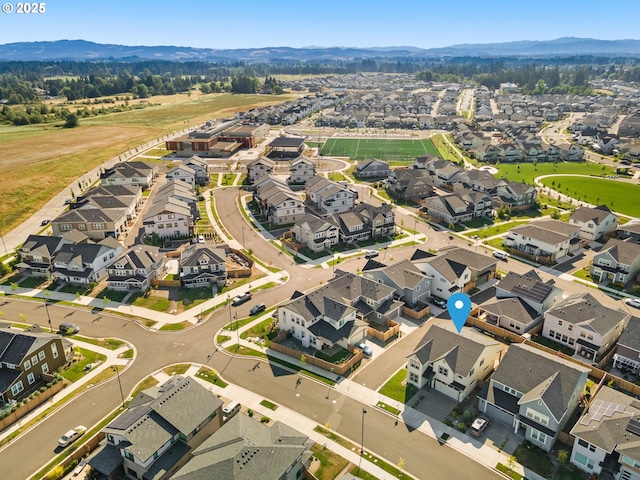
(539, 436)
(414, 364)
(54, 350)
(537, 416)
(443, 371)
(583, 460)
(34, 360)
(17, 388)
(128, 455)
(65, 226)
(45, 368)
(41, 354)
(559, 323)
(98, 226)
(82, 226)
(413, 377)
(27, 364)
(31, 378)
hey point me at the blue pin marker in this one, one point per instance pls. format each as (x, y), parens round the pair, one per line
(459, 306)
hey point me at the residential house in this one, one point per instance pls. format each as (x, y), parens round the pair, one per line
(458, 207)
(84, 263)
(372, 168)
(630, 230)
(177, 190)
(201, 265)
(448, 276)
(543, 242)
(450, 362)
(482, 267)
(201, 169)
(126, 197)
(534, 392)
(584, 324)
(571, 152)
(246, 449)
(335, 313)
(162, 425)
(27, 359)
(317, 233)
(627, 356)
(327, 196)
(618, 261)
(517, 195)
(380, 220)
(595, 223)
(93, 222)
(183, 173)
(410, 185)
(260, 168)
(169, 218)
(512, 314)
(136, 268)
(37, 253)
(530, 288)
(410, 284)
(278, 204)
(139, 174)
(607, 435)
(302, 169)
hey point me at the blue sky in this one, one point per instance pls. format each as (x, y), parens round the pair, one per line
(353, 23)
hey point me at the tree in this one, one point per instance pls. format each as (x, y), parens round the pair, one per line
(563, 456)
(71, 121)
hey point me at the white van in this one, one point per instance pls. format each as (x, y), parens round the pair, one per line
(230, 410)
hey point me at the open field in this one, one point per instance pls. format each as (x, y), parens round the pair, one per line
(39, 161)
(619, 196)
(526, 172)
(392, 150)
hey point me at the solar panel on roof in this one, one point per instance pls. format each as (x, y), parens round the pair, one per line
(599, 409)
(633, 427)
(129, 417)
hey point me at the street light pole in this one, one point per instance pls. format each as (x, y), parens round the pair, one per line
(235, 316)
(48, 316)
(364, 412)
(115, 367)
(329, 391)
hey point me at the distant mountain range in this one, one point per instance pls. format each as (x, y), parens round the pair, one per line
(82, 50)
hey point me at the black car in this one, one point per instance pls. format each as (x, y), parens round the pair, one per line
(44, 222)
(439, 302)
(260, 307)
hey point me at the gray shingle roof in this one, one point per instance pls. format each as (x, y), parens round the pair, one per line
(528, 285)
(585, 310)
(461, 351)
(245, 449)
(585, 214)
(537, 374)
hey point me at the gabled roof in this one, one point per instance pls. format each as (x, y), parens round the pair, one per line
(448, 268)
(473, 260)
(528, 285)
(42, 244)
(585, 214)
(404, 274)
(84, 253)
(195, 254)
(623, 252)
(609, 422)
(15, 345)
(630, 337)
(246, 449)
(513, 308)
(139, 256)
(461, 351)
(537, 374)
(584, 310)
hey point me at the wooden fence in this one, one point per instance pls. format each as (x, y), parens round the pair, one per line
(543, 259)
(392, 330)
(35, 402)
(338, 369)
(156, 282)
(416, 314)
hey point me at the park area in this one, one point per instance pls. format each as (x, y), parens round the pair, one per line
(395, 150)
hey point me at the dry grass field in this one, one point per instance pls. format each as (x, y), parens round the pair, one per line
(38, 161)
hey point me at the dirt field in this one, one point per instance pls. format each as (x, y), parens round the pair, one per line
(38, 161)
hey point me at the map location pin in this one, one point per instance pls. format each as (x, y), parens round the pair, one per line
(459, 306)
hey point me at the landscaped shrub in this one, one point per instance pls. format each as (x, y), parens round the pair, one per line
(462, 426)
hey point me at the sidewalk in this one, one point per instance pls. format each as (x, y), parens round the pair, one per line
(413, 418)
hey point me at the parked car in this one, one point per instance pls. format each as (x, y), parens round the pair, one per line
(634, 302)
(259, 307)
(68, 328)
(439, 302)
(79, 468)
(71, 436)
(366, 349)
(68, 201)
(501, 255)
(240, 299)
(479, 425)
(371, 253)
(200, 238)
(44, 222)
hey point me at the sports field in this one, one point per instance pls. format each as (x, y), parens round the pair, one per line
(389, 150)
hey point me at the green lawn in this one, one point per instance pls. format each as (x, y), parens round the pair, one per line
(341, 355)
(261, 329)
(331, 464)
(390, 150)
(191, 297)
(554, 345)
(153, 303)
(177, 369)
(268, 404)
(395, 388)
(526, 172)
(211, 376)
(76, 371)
(619, 196)
(497, 229)
(534, 458)
(176, 326)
